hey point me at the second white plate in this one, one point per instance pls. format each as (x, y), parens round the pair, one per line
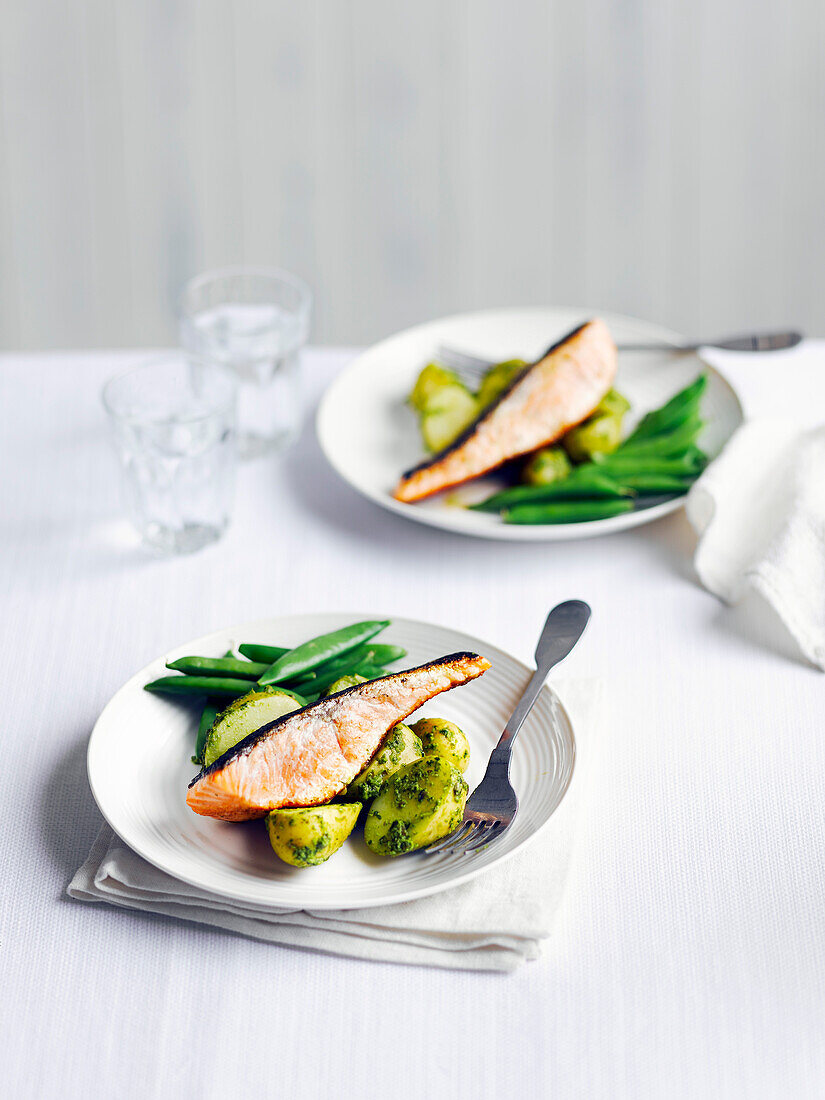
(370, 436)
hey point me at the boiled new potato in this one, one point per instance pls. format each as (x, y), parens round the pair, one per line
(419, 804)
(444, 739)
(546, 466)
(613, 402)
(309, 835)
(497, 379)
(444, 404)
(344, 682)
(449, 412)
(431, 379)
(243, 716)
(401, 747)
(600, 434)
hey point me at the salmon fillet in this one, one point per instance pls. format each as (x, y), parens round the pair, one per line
(307, 757)
(542, 403)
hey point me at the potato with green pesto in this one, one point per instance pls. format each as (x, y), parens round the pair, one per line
(444, 739)
(614, 403)
(497, 379)
(309, 835)
(546, 466)
(444, 404)
(451, 410)
(600, 434)
(243, 716)
(344, 682)
(431, 379)
(419, 804)
(401, 746)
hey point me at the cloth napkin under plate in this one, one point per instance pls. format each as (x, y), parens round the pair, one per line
(759, 510)
(494, 922)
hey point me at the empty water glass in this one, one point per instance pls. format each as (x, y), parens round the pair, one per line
(173, 420)
(254, 320)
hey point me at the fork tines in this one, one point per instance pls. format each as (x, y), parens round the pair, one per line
(470, 365)
(468, 837)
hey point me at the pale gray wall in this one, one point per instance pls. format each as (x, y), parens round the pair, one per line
(411, 159)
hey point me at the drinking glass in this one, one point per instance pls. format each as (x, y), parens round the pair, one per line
(173, 420)
(255, 321)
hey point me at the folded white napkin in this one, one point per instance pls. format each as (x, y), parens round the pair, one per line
(494, 922)
(760, 512)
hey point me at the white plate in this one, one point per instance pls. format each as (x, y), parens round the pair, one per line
(139, 767)
(370, 436)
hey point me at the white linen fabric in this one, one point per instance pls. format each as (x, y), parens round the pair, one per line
(760, 512)
(494, 922)
(687, 953)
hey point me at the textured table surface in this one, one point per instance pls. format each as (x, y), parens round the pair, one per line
(688, 958)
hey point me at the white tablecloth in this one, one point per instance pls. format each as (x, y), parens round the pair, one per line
(688, 958)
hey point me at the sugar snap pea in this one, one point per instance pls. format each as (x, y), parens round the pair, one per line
(566, 511)
(585, 483)
(374, 653)
(263, 653)
(687, 464)
(644, 484)
(219, 666)
(309, 655)
(673, 413)
(223, 686)
(378, 653)
(320, 683)
(674, 442)
(208, 715)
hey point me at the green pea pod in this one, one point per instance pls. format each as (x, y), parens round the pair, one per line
(567, 511)
(684, 465)
(263, 653)
(309, 655)
(585, 483)
(369, 670)
(673, 413)
(372, 652)
(208, 715)
(670, 444)
(322, 681)
(223, 686)
(380, 654)
(218, 666)
(645, 484)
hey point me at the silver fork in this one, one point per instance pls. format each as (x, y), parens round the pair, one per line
(472, 367)
(493, 804)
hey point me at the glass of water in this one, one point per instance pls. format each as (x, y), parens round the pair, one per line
(255, 321)
(173, 420)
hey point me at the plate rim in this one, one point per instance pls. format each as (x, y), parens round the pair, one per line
(503, 532)
(313, 905)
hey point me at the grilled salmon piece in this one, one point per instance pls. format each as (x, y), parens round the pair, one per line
(307, 757)
(538, 407)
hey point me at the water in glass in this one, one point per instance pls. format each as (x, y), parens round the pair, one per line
(254, 321)
(174, 431)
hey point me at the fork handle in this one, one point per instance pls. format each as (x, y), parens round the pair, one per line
(525, 705)
(755, 341)
(564, 626)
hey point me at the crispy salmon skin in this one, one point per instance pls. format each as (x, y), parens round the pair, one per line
(540, 405)
(308, 756)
